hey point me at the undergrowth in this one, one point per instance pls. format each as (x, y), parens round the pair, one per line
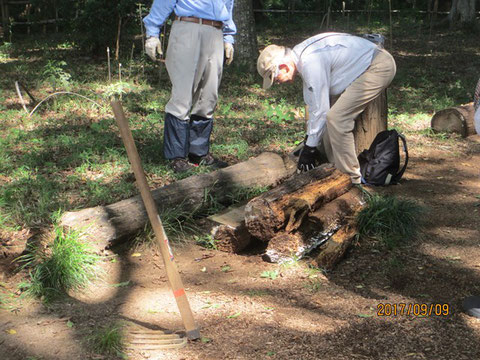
(109, 340)
(389, 219)
(67, 265)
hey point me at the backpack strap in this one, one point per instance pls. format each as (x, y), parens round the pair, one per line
(400, 173)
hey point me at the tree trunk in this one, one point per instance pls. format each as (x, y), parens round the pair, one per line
(4, 25)
(246, 48)
(110, 224)
(462, 13)
(285, 206)
(370, 122)
(459, 120)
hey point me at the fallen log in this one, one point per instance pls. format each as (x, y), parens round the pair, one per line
(284, 207)
(459, 120)
(334, 249)
(316, 230)
(111, 224)
(229, 231)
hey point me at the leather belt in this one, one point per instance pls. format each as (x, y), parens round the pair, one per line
(214, 23)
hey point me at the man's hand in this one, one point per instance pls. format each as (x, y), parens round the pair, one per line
(152, 47)
(308, 159)
(228, 53)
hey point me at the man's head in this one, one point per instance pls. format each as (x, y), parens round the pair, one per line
(276, 64)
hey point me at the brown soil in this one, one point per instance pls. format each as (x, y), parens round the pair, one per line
(300, 314)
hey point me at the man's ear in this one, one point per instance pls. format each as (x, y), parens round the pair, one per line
(283, 67)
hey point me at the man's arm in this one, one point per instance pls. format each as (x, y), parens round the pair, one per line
(316, 91)
(159, 12)
(229, 28)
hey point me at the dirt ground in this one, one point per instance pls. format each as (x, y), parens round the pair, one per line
(301, 314)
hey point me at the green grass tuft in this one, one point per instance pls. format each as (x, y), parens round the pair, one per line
(67, 265)
(109, 340)
(389, 219)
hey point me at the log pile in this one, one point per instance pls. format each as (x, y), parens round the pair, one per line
(305, 212)
(459, 120)
(310, 210)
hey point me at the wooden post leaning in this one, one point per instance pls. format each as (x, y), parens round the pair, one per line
(167, 255)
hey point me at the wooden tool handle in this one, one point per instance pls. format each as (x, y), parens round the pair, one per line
(167, 255)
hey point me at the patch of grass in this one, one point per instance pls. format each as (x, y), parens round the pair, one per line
(207, 241)
(270, 274)
(68, 265)
(109, 340)
(389, 219)
(314, 285)
(8, 300)
(242, 194)
(256, 293)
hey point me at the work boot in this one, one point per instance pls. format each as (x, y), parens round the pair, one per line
(181, 165)
(207, 160)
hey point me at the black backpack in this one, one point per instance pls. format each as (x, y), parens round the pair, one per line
(380, 164)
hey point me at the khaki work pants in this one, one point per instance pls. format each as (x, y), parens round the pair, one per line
(194, 63)
(338, 138)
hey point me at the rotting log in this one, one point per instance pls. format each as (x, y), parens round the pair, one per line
(335, 248)
(107, 225)
(284, 207)
(459, 120)
(229, 231)
(336, 212)
(316, 229)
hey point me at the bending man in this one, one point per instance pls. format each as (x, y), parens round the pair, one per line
(200, 34)
(331, 64)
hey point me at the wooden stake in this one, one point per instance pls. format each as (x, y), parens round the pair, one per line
(167, 255)
(109, 70)
(117, 49)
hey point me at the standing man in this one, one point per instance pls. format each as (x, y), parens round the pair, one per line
(331, 64)
(201, 33)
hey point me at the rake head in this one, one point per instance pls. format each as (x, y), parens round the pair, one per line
(138, 338)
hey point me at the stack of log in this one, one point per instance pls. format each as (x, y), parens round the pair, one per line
(306, 211)
(309, 211)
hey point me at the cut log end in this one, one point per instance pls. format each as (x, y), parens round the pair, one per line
(231, 239)
(459, 120)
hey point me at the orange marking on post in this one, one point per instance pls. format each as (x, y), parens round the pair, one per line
(179, 292)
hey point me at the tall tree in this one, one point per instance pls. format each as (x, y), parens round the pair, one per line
(462, 13)
(246, 48)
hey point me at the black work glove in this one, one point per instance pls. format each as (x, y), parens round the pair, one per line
(308, 159)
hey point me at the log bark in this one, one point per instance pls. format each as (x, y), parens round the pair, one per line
(285, 206)
(229, 230)
(110, 224)
(334, 249)
(459, 120)
(317, 229)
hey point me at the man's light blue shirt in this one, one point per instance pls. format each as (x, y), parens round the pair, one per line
(219, 10)
(328, 64)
